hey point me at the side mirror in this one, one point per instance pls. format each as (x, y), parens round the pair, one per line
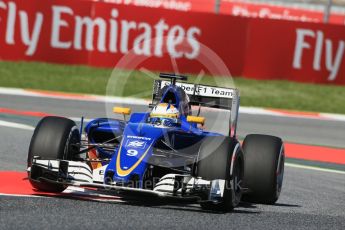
(122, 110)
(198, 120)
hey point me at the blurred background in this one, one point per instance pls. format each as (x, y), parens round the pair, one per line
(286, 54)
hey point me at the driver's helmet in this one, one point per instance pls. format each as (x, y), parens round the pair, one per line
(164, 114)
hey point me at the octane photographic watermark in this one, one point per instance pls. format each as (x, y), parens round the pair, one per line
(233, 185)
(213, 71)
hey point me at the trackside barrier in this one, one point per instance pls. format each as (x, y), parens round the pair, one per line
(237, 8)
(101, 34)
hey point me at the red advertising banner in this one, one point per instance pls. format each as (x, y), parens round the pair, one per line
(303, 52)
(179, 5)
(237, 8)
(269, 11)
(99, 34)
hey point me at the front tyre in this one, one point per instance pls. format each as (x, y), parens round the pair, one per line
(54, 138)
(264, 168)
(222, 158)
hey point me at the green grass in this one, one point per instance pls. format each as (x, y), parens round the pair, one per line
(82, 79)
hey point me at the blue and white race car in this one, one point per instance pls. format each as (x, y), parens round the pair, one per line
(165, 152)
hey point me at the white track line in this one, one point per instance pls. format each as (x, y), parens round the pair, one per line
(23, 195)
(77, 97)
(28, 127)
(267, 112)
(16, 125)
(77, 192)
(338, 117)
(314, 168)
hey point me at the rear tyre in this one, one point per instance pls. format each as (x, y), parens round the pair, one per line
(54, 138)
(264, 168)
(215, 160)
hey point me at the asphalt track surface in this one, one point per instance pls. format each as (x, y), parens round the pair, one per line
(309, 200)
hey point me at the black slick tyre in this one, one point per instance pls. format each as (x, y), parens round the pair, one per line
(54, 138)
(222, 158)
(264, 168)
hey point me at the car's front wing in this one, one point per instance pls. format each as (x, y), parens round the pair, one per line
(75, 173)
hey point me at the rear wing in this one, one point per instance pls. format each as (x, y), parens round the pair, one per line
(205, 96)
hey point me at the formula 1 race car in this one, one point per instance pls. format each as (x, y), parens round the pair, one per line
(165, 152)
